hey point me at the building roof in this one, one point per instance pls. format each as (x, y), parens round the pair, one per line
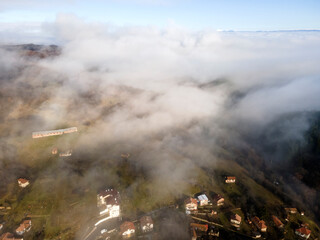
(66, 153)
(304, 231)
(200, 227)
(256, 234)
(291, 209)
(111, 196)
(7, 236)
(109, 191)
(146, 220)
(21, 228)
(236, 217)
(23, 180)
(277, 221)
(203, 197)
(126, 226)
(24, 225)
(72, 129)
(191, 200)
(111, 200)
(230, 178)
(260, 223)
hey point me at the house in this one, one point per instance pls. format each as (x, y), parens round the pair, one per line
(191, 204)
(235, 220)
(127, 229)
(23, 182)
(109, 202)
(218, 200)
(256, 235)
(203, 199)
(54, 151)
(277, 222)
(199, 227)
(146, 224)
(260, 224)
(9, 236)
(213, 231)
(230, 179)
(67, 153)
(303, 232)
(291, 210)
(25, 226)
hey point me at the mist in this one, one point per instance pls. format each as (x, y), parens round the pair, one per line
(169, 97)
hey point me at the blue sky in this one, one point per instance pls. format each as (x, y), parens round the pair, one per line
(245, 15)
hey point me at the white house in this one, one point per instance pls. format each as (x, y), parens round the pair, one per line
(23, 182)
(191, 204)
(67, 153)
(146, 224)
(256, 235)
(109, 202)
(203, 200)
(235, 220)
(230, 179)
(291, 210)
(54, 151)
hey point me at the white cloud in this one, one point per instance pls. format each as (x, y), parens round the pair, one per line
(276, 64)
(176, 90)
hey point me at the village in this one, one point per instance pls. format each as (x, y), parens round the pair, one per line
(25, 225)
(204, 211)
(208, 214)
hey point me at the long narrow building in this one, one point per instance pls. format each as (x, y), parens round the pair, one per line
(50, 133)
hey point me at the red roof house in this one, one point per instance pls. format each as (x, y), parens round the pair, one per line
(303, 232)
(260, 224)
(127, 229)
(277, 222)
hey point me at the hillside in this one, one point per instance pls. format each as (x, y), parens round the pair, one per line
(153, 152)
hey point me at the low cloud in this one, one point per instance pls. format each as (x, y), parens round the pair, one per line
(166, 96)
(168, 79)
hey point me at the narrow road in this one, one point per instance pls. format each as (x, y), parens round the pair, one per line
(110, 224)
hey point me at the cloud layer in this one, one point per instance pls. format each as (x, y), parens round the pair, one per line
(167, 96)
